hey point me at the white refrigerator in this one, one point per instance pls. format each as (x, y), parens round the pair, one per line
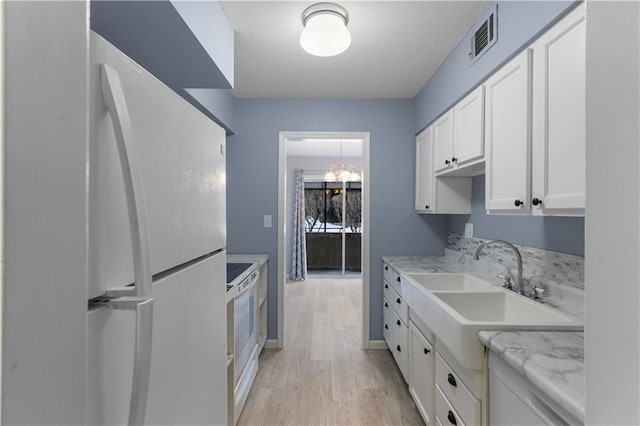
(157, 233)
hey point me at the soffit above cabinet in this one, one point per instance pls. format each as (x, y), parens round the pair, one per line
(186, 45)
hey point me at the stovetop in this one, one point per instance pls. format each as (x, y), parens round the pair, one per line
(234, 270)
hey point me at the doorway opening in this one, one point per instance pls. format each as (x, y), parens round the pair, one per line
(336, 211)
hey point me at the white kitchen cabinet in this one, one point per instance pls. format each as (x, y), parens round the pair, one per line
(559, 124)
(421, 373)
(447, 195)
(443, 141)
(425, 176)
(535, 125)
(395, 319)
(468, 129)
(508, 136)
(513, 400)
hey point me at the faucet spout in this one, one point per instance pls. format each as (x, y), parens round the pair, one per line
(507, 244)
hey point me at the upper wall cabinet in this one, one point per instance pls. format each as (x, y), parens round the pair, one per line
(443, 142)
(558, 145)
(450, 195)
(535, 126)
(508, 135)
(425, 200)
(459, 137)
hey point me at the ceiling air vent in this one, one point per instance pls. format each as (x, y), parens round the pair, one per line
(484, 34)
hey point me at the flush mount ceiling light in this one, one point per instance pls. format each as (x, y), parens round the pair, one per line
(325, 30)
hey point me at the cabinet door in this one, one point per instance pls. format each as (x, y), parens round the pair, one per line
(508, 136)
(468, 127)
(443, 141)
(421, 367)
(558, 144)
(424, 173)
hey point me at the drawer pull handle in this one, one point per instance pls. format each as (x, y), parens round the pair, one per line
(398, 348)
(398, 322)
(452, 380)
(398, 301)
(386, 286)
(398, 279)
(451, 418)
(426, 351)
(386, 305)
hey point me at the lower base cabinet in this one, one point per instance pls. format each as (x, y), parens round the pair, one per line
(514, 401)
(421, 373)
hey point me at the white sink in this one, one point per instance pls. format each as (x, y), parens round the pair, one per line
(449, 282)
(456, 317)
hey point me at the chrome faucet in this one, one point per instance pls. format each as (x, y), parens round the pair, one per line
(519, 282)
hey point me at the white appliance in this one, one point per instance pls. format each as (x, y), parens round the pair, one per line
(246, 339)
(157, 235)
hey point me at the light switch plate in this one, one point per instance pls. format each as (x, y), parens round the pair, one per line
(468, 230)
(268, 223)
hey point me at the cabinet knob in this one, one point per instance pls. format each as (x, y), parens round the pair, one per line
(398, 348)
(426, 206)
(426, 351)
(398, 322)
(386, 286)
(386, 268)
(398, 301)
(398, 279)
(454, 160)
(452, 380)
(386, 326)
(386, 305)
(451, 418)
(518, 203)
(536, 201)
(447, 162)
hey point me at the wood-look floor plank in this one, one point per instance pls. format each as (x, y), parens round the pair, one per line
(323, 376)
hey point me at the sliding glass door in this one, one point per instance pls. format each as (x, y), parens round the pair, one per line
(333, 226)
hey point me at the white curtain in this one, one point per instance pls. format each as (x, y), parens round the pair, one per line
(299, 252)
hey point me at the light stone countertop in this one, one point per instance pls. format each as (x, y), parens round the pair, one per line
(552, 361)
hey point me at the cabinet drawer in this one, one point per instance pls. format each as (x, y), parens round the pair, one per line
(387, 290)
(388, 316)
(445, 413)
(400, 306)
(456, 391)
(392, 277)
(402, 359)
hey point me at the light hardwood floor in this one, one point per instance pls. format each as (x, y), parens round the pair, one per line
(323, 376)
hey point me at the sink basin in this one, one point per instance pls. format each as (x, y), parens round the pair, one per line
(456, 316)
(449, 282)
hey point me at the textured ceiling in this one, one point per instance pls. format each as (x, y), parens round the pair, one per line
(396, 47)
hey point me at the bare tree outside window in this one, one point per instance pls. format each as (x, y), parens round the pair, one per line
(314, 208)
(353, 209)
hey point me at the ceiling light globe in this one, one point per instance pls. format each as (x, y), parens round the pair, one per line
(325, 34)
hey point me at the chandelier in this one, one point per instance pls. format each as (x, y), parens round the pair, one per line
(341, 172)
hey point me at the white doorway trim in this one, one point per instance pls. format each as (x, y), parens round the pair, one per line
(366, 211)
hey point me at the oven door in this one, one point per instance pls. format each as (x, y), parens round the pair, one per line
(246, 324)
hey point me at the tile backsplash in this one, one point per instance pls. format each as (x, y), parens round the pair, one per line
(562, 275)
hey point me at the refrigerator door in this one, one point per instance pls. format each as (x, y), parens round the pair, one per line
(182, 168)
(188, 363)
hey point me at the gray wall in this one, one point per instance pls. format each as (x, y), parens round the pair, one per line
(563, 234)
(518, 23)
(252, 181)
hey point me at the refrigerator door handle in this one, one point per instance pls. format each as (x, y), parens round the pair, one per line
(116, 104)
(143, 308)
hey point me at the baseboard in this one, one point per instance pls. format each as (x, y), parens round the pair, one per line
(378, 344)
(271, 344)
